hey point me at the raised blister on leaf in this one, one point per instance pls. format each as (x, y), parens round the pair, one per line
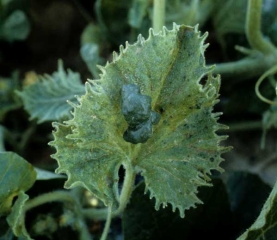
(180, 130)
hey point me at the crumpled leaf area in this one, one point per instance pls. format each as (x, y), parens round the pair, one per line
(183, 149)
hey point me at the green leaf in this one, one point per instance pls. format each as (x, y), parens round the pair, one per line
(16, 217)
(16, 175)
(183, 149)
(141, 221)
(47, 99)
(265, 227)
(15, 27)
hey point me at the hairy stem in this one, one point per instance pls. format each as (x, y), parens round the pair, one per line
(158, 15)
(246, 68)
(253, 28)
(126, 189)
(244, 126)
(107, 224)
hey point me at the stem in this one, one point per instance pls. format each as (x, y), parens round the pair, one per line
(271, 71)
(126, 189)
(158, 15)
(244, 126)
(253, 28)
(246, 68)
(49, 197)
(64, 197)
(101, 214)
(107, 224)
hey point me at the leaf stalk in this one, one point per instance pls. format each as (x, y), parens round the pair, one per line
(158, 15)
(253, 28)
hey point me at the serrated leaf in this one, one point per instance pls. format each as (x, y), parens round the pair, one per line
(265, 227)
(16, 217)
(183, 150)
(16, 175)
(46, 100)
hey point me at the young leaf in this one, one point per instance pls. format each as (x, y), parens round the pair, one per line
(16, 219)
(265, 227)
(16, 175)
(46, 99)
(183, 149)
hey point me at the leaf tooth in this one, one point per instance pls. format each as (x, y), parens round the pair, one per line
(115, 56)
(205, 46)
(88, 87)
(101, 68)
(164, 31)
(157, 204)
(141, 40)
(182, 211)
(203, 37)
(127, 44)
(196, 28)
(121, 49)
(151, 33)
(72, 104)
(79, 98)
(176, 26)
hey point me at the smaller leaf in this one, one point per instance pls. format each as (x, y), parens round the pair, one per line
(16, 175)
(265, 227)
(15, 27)
(16, 217)
(47, 99)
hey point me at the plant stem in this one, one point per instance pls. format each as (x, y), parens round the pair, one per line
(269, 72)
(127, 189)
(244, 126)
(107, 224)
(64, 197)
(246, 68)
(158, 15)
(253, 28)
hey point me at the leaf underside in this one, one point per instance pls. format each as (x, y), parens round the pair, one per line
(183, 149)
(16, 175)
(46, 100)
